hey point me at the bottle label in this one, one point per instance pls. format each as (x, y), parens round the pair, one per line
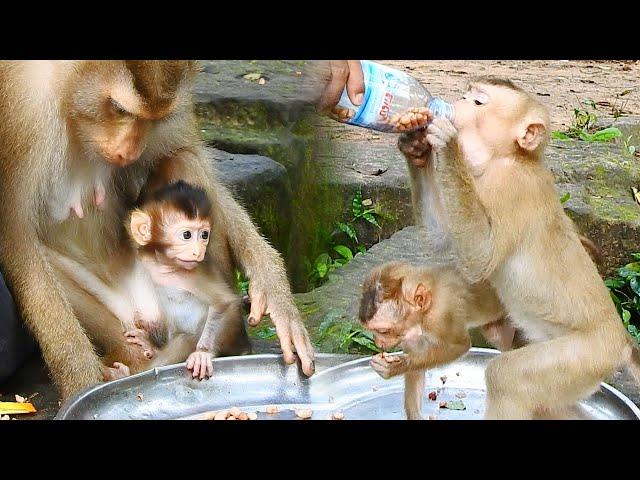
(383, 84)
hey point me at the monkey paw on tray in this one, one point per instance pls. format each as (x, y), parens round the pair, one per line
(200, 364)
(388, 366)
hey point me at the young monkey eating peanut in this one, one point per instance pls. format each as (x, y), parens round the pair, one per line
(428, 312)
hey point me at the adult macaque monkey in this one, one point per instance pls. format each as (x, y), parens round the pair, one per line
(428, 312)
(501, 209)
(79, 139)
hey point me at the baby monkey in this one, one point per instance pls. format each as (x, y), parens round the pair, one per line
(171, 230)
(428, 312)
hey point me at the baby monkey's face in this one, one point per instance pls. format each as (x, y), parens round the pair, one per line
(387, 325)
(187, 241)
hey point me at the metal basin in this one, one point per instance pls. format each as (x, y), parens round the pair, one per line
(343, 383)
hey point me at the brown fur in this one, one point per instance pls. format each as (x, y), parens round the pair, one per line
(48, 112)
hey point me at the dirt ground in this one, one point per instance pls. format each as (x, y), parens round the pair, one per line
(561, 85)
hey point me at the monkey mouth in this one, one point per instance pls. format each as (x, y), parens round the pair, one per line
(188, 264)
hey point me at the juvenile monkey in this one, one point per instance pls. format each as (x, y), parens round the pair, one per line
(501, 210)
(195, 314)
(428, 312)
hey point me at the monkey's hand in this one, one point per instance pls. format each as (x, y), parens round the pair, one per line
(291, 332)
(156, 329)
(441, 134)
(200, 364)
(388, 366)
(415, 147)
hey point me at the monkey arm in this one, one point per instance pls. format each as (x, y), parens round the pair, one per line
(110, 298)
(46, 311)
(439, 353)
(467, 218)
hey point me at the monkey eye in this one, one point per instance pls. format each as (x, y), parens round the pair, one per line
(204, 235)
(186, 235)
(478, 102)
(117, 108)
(383, 331)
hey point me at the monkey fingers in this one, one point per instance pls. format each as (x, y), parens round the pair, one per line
(201, 364)
(415, 146)
(141, 338)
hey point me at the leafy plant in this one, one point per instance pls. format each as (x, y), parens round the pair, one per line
(630, 149)
(583, 127)
(349, 336)
(265, 331)
(625, 292)
(242, 283)
(339, 254)
(565, 197)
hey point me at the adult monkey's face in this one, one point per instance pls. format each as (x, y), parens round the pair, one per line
(113, 108)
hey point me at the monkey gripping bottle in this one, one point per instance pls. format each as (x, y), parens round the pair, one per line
(393, 102)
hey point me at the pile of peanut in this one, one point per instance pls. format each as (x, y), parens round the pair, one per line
(232, 414)
(412, 119)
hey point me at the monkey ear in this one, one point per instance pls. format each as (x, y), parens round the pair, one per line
(532, 137)
(141, 227)
(422, 297)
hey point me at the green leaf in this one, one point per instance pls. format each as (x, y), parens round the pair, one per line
(633, 330)
(356, 205)
(371, 219)
(361, 248)
(565, 197)
(614, 283)
(606, 134)
(455, 405)
(636, 256)
(558, 135)
(345, 252)
(626, 315)
(349, 230)
(322, 263)
(366, 342)
(635, 285)
(585, 136)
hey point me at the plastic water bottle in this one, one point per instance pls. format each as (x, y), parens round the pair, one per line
(393, 102)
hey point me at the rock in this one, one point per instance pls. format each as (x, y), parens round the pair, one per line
(262, 186)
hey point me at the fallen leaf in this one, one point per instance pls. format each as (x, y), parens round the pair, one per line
(20, 399)
(298, 73)
(461, 395)
(543, 94)
(636, 195)
(262, 81)
(14, 408)
(140, 397)
(254, 77)
(366, 202)
(455, 405)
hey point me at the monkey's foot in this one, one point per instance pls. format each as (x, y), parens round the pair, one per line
(119, 370)
(141, 337)
(200, 364)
